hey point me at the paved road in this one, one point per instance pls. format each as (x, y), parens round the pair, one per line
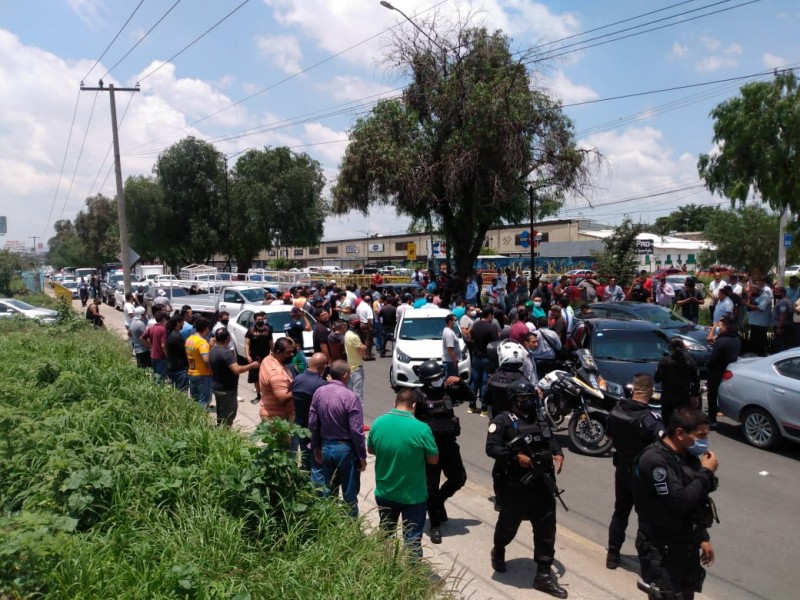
(756, 543)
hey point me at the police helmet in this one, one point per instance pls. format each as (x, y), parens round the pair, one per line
(429, 370)
(510, 355)
(522, 393)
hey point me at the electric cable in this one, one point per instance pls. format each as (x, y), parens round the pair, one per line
(111, 43)
(80, 154)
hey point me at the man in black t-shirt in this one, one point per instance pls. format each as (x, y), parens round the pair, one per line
(257, 347)
(175, 348)
(388, 321)
(689, 299)
(483, 332)
(225, 377)
(321, 332)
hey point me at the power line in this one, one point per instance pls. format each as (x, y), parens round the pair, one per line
(110, 146)
(141, 39)
(111, 43)
(80, 154)
(193, 42)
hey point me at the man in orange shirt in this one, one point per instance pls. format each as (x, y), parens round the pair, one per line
(197, 349)
(275, 382)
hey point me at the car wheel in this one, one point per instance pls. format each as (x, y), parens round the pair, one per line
(760, 429)
(392, 384)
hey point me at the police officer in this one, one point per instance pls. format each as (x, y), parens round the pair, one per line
(632, 426)
(435, 407)
(527, 456)
(672, 482)
(511, 360)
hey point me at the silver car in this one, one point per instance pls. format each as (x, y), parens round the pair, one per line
(678, 282)
(763, 394)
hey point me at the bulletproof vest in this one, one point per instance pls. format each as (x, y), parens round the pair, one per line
(437, 411)
(498, 389)
(625, 422)
(538, 437)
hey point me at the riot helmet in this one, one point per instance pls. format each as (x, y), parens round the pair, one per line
(430, 373)
(522, 395)
(510, 355)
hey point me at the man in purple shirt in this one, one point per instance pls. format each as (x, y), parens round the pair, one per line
(336, 421)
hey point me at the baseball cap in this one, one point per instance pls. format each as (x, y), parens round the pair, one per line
(139, 310)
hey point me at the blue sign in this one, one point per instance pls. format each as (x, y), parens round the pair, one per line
(524, 239)
(787, 240)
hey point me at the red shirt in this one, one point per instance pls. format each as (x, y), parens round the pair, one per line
(156, 335)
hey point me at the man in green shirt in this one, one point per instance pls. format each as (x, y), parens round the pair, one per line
(402, 445)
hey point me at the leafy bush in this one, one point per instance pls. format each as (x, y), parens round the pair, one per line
(111, 486)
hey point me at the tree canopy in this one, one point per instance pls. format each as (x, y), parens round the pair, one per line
(91, 239)
(617, 259)
(757, 134)
(463, 143)
(691, 217)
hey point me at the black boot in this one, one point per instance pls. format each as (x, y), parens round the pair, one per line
(547, 583)
(612, 559)
(499, 559)
(443, 514)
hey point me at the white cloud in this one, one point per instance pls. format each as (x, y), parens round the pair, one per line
(678, 50)
(773, 61)
(87, 10)
(714, 63)
(710, 43)
(568, 91)
(733, 49)
(283, 50)
(353, 87)
(328, 153)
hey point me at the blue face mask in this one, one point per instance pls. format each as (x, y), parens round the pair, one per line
(700, 447)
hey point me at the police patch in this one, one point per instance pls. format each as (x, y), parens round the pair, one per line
(659, 474)
(661, 489)
(492, 428)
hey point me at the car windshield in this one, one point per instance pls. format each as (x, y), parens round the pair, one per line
(629, 346)
(253, 295)
(277, 320)
(20, 304)
(663, 317)
(429, 328)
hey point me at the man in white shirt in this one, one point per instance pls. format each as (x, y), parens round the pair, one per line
(128, 310)
(613, 292)
(451, 349)
(715, 286)
(501, 288)
(663, 292)
(366, 318)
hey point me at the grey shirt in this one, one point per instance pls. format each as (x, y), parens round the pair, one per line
(137, 328)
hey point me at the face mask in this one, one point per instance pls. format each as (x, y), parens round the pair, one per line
(525, 404)
(288, 359)
(700, 447)
(537, 304)
(225, 322)
(436, 383)
(259, 324)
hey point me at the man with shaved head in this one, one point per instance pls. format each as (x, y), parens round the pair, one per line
(303, 388)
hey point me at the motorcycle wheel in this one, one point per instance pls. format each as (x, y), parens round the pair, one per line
(587, 433)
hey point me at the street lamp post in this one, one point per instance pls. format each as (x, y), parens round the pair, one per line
(390, 6)
(532, 199)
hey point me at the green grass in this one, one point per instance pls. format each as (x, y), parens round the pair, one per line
(113, 487)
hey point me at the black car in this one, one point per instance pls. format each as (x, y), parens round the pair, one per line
(622, 349)
(694, 337)
(399, 289)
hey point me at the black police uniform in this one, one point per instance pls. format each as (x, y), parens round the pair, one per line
(519, 501)
(632, 426)
(497, 390)
(435, 407)
(671, 494)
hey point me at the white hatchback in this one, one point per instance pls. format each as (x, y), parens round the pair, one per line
(277, 317)
(419, 338)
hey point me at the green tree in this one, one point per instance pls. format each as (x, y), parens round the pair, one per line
(151, 230)
(11, 265)
(192, 176)
(757, 135)
(65, 247)
(691, 217)
(97, 227)
(617, 258)
(745, 238)
(469, 135)
(275, 200)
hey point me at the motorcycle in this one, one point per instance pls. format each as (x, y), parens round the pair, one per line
(577, 393)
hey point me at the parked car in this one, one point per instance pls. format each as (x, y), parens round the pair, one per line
(230, 298)
(581, 273)
(792, 271)
(10, 307)
(678, 282)
(72, 286)
(419, 338)
(622, 349)
(113, 281)
(667, 271)
(763, 394)
(277, 317)
(177, 295)
(398, 288)
(694, 337)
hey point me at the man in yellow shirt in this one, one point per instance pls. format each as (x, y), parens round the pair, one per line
(197, 349)
(355, 351)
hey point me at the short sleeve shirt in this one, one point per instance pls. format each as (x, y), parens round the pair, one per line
(450, 340)
(260, 342)
(401, 444)
(196, 347)
(222, 378)
(351, 344)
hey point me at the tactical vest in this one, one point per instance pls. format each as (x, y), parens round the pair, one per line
(438, 414)
(498, 389)
(626, 425)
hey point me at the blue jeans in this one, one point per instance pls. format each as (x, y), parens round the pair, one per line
(413, 520)
(480, 376)
(376, 327)
(180, 379)
(357, 383)
(160, 367)
(339, 463)
(200, 388)
(450, 369)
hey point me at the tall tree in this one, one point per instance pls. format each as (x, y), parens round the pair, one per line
(618, 259)
(757, 135)
(691, 217)
(744, 238)
(275, 200)
(192, 176)
(153, 230)
(97, 226)
(461, 146)
(65, 247)
(11, 265)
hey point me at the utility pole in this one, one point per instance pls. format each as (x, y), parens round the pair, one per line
(532, 200)
(782, 246)
(34, 238)
(125, 258)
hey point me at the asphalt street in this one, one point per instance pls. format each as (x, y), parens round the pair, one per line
(757, 541)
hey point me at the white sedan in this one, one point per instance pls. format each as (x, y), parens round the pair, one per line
(277, 317)
(11, 306)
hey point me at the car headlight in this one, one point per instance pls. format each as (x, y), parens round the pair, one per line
(692, 346)
(611, 387)
(403, 357)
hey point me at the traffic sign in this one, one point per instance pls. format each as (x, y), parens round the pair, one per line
(787, 240)
(411, 251)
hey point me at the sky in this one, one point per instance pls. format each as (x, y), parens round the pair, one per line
(299, 73)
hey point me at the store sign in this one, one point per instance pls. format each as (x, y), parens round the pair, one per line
(643, 247)
(351, 249)
(376, 247)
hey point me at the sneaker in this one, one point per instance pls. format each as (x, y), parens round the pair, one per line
(498, 559)
(547, 583)
(472, 409)
(436, 535)
(612, 559)
(485, 412)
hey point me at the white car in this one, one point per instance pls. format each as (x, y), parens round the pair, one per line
(419, 338)
(793, 270)
(11, 306)
(277, 317)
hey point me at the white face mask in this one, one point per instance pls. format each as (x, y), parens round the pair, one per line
(436, 383)
(537, 303)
